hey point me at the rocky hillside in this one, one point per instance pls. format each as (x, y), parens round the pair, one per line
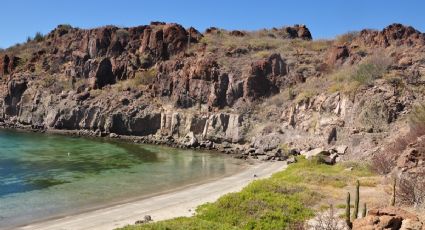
(261, 94)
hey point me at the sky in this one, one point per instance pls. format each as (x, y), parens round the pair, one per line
(325, 19)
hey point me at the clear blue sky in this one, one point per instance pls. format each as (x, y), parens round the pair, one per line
(22, 18)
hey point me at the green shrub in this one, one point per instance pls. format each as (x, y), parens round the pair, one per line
(282, 201)
(366, 73)
(349, 79)
(182, 223)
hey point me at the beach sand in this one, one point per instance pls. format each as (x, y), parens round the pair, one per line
(176, 203)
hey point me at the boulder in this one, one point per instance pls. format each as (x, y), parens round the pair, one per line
(315, 152)
(237, 33)
(388, 218)
(291, 160)
(296, 31)
(341, 149)
(190, 140)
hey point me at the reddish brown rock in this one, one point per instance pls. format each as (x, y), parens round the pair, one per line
(104, 75)
(264, 77)
(4, 65)
(211, 30)
(99, 41)
(413, 157)
(297, 31)
(175, 39)
(8, 64)
(395, 34)
(237, 33)
(337, 55)
(164, 41)
(387, 218)
(195, 35)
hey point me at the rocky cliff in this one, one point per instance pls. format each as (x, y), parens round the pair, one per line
(258, 94)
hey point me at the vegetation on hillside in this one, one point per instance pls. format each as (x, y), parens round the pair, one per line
(284, 201)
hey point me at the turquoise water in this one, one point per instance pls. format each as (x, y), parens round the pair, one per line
(42, 176)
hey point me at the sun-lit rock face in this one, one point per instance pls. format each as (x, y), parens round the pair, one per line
(245, 92)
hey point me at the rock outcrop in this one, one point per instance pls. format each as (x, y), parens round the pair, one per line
(395, 34)
(388, 218)
(265, 77)
(165, 84)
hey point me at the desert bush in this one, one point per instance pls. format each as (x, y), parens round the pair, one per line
(122, 34)
(304, 95)
(48, 81)
(283, 201)
(327, 220)
(38, 37)
(370, 69)
(349, 79)
(146, 77)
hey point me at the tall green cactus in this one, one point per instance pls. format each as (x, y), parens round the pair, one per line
(393, 195)
(347, 211)
(356, 201)
(364, 210)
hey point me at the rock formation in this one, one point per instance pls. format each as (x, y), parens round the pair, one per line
(227, 90)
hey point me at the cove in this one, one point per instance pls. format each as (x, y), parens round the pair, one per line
(43, 176)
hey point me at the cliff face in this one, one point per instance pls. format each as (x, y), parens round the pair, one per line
(168, 84)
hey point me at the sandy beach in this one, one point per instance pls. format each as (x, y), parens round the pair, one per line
(169, 205)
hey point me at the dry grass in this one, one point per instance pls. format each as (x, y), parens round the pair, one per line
(346, 38)
(141, 80)
(348, 79)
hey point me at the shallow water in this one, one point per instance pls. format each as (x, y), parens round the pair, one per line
(42, 176)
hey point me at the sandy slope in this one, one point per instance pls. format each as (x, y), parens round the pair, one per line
(169, 205)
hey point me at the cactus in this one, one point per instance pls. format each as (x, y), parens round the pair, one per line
(356, 201)
(347, 211)
(393, 195)
(364, 210)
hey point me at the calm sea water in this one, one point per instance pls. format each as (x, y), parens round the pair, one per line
(42, 176)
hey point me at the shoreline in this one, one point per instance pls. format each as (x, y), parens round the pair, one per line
(166, 205)
(232, 149)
